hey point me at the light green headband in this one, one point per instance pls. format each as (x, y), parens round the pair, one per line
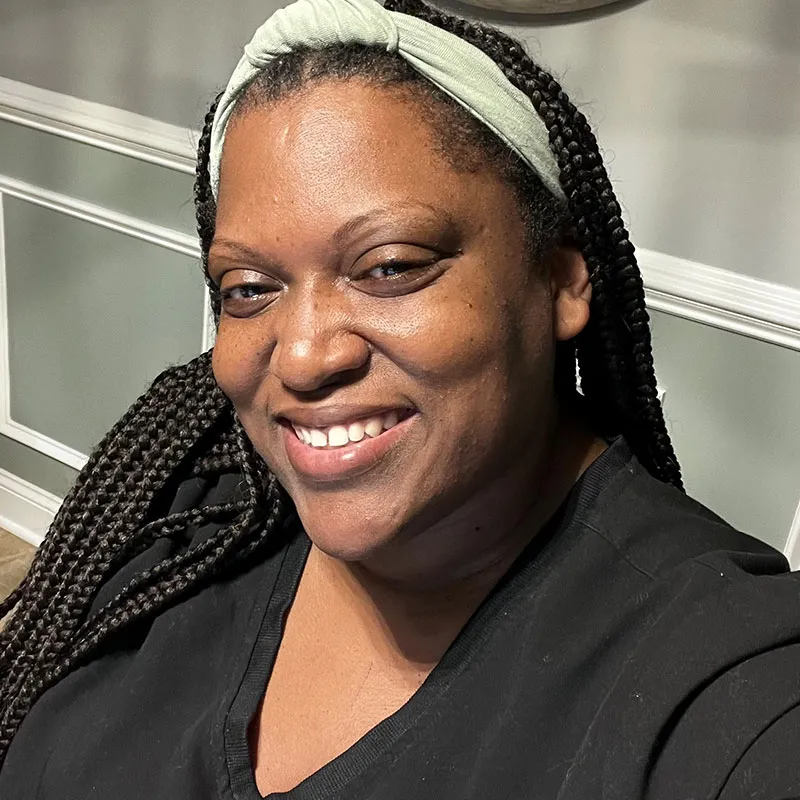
(464, 72)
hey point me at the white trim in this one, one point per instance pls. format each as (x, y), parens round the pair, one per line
(39, 441)
(98, 125)
(105, 218)
(792, 547)
(727, 300)
(5, 371)
(25, 509)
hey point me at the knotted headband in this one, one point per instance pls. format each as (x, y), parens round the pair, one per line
(458, 68)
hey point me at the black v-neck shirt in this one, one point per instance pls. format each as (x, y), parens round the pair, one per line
(639, 648)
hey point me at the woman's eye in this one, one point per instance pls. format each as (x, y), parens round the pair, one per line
(395, 269)
(246, 299)
(396, 274)
(242, 292)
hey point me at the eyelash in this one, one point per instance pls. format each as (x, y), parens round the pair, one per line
(404, 268)
(253, 299)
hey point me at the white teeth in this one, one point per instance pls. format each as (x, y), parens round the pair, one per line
(302, 434)
(374, 427)
(338, 436)
(390, 420)
(341, 435)
(318, 438)
(355, 432)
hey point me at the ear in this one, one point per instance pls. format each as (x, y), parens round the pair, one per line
(571, 291)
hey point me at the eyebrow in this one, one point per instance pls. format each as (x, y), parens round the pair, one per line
(239, 251)
(382, 212)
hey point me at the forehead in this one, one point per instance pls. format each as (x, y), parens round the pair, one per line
(338, 147)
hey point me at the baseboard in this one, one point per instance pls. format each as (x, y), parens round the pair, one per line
(25, 509)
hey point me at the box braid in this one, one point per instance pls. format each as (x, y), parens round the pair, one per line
(183, 425)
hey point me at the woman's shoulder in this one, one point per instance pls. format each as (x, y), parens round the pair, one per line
(706, 702)
(656, 528)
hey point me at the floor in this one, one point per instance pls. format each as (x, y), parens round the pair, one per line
(15, 558)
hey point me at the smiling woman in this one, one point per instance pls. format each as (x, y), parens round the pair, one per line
(386, 293)
(377, 545)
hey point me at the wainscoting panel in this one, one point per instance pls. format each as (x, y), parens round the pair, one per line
(733, 411)
(93, 316)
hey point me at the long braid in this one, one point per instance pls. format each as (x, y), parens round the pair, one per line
(182, 425)
(181, 420)
(614, 352)
(205, 206)
(56, 541)
(91, 502)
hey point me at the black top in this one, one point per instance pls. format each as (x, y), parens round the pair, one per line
(643, 648)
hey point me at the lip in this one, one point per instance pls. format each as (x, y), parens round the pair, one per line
(327, 465)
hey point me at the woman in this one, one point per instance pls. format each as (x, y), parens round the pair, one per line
(376, 545)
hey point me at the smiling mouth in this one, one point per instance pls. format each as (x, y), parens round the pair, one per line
(348, 449)
(352, 432)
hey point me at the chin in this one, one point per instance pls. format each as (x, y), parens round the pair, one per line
(347, 536)
(349, 544)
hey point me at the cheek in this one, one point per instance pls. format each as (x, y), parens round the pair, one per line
(237, 362)
(469, 336)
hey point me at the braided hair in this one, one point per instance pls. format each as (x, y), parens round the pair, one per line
(185, 426)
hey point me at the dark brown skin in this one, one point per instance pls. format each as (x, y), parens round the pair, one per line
(405, 552)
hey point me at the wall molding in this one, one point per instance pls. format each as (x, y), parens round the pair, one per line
(104, 217)
(102, 126)
(25, 509)
(96, 215)
(723, 299)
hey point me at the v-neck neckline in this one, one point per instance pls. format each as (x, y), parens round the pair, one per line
(333, 777)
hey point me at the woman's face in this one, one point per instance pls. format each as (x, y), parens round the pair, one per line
(384, 338)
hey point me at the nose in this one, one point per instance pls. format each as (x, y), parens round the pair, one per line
(315, 343)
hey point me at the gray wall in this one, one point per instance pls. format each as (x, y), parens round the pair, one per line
(93, 314)
(732, 410)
